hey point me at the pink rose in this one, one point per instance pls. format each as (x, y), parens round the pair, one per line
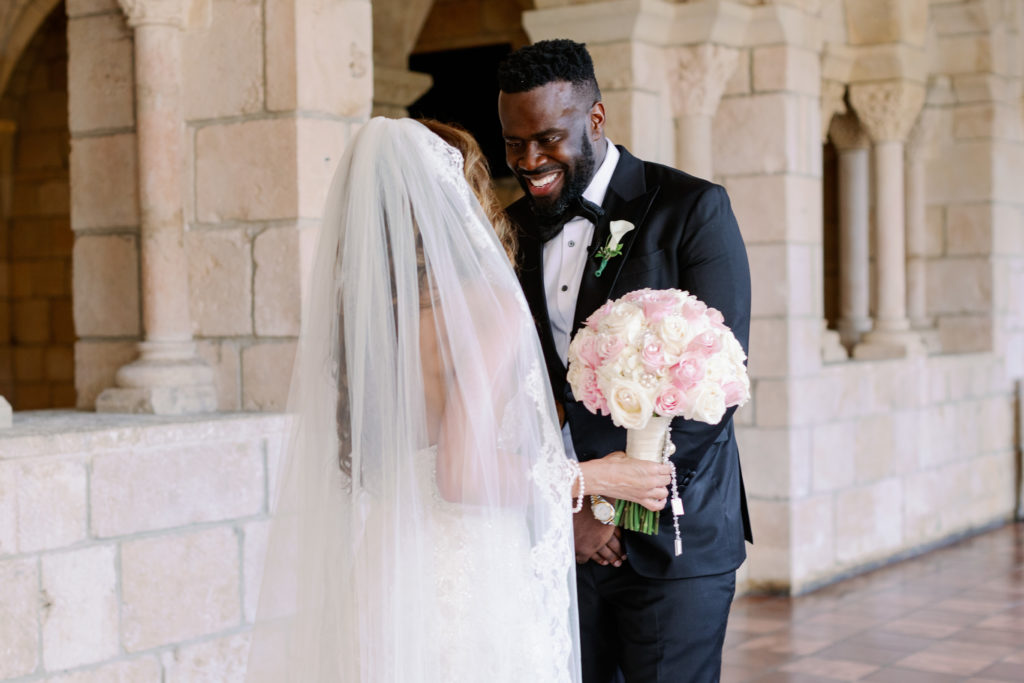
(735, 393)
(597, 316)
(716, 319)
(657, 308)
(686, 373)
(587, 351)
(694, 308)
(636, 296)
(609, 346)
(705, 344)
(653, 353)
(593, 400)
(671, 401)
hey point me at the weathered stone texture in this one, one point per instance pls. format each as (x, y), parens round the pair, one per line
(100, 80)
(19, 629)
(215, 661)
(103, 182)
(106, 284)
(199, 569)
(246, 171)
(278, 302)
(80, 625)
(220, 282)
(141, 670)
(96, 363)
(223, 62)
(266, 373)
(175, 486)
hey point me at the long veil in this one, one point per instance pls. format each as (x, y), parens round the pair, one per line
(421, 529)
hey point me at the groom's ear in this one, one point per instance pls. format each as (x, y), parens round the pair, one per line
(597, 121)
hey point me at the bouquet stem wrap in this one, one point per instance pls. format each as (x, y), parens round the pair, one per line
(648, 444)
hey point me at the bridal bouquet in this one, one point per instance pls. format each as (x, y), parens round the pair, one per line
(648, 357)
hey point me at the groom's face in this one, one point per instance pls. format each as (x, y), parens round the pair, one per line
(553, 136)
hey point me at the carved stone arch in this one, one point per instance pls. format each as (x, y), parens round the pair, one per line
(18, 25)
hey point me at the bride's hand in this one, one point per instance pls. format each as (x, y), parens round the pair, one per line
(618, 476)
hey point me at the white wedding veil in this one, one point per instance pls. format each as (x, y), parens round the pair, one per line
(422, 529)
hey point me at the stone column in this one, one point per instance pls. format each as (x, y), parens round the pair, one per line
(697, 78)
(917, 232)
(396, 26)
(168, 377)
(888, 110)
(852, 143)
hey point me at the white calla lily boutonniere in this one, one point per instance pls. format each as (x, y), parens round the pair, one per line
(613, 246)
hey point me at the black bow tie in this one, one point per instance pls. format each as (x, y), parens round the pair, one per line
(584, 208)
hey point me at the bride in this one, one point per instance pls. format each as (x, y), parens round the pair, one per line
(422, 529)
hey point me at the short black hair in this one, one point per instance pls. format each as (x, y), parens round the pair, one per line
(546, 62)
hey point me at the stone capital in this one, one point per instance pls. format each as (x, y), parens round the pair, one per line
(847, 132)
(887, 110)
(395, 89)
(176, 13)
(833, 102)
(697, 77)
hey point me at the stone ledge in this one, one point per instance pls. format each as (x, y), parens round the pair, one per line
(52, 432)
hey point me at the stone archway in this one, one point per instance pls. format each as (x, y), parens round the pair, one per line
(36, 328)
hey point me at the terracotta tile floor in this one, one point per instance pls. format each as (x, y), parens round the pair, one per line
(954, 614)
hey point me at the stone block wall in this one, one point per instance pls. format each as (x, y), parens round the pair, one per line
(272, 93)
(866, 461)
(104, 194)
(36, 331)
(973, 119)
(131, 548)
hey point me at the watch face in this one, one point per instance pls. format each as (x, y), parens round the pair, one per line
(604, 511)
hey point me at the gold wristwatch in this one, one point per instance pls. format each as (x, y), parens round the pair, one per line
(603, 510)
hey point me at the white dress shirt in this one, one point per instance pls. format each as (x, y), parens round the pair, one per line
(565, 258)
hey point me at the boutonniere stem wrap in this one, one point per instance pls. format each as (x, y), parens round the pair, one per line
(613, 246)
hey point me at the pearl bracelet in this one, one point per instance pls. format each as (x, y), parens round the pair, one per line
(577, 474)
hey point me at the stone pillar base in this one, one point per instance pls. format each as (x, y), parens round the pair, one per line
(852, 329)
(885, 344)
(832, 349)
(6, 415)
(167, 379)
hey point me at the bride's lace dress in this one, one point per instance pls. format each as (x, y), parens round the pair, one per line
(475, 627)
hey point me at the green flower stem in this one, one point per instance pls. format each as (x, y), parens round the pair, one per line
(636, 517)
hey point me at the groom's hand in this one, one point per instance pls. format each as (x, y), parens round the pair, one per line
(589, 534)
(612, 553)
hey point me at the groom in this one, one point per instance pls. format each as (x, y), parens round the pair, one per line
(645, 613)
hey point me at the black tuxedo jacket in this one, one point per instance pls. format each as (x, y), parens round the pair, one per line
(685, 237)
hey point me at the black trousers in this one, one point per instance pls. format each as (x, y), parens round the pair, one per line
(644, 630)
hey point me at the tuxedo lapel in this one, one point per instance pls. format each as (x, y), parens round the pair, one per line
(531, 278)
(627, 199)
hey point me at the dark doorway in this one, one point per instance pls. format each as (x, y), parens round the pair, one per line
(465, 91)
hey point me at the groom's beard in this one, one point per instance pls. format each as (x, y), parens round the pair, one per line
(553, 214)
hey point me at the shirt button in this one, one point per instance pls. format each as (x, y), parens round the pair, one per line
(572, 243)
(565, 288)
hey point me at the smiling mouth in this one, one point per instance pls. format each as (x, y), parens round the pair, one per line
(543, 183)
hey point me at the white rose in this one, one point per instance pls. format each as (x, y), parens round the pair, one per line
(628, 364)
(709, 404)
(675, 333)
(625, 320)
(718, 369)
(629, 403)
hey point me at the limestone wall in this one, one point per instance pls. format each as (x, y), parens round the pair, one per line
(272, 92)
(130, 548)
